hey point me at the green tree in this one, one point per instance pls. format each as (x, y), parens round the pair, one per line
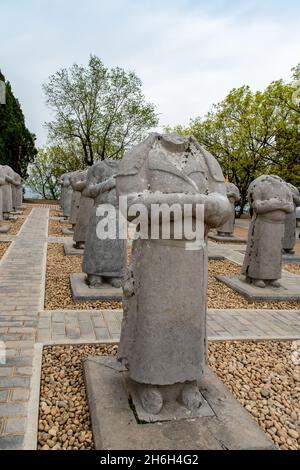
(102, 109)
(17, 147)
(49, 165)
(251, 133)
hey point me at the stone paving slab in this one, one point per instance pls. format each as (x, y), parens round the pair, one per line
(289, 290)
(227, 324)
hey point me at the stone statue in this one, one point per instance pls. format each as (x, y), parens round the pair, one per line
(289, 239)
(19, 192)
(86, 205)
(163, 338)
(66, 193)
(7, 207)
(233, 195)
(2, 183)
(271, 200)
(15, 188)
(104, 260)
(76, 195)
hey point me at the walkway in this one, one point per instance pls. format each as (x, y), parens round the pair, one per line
(21, 298)
(78, 326)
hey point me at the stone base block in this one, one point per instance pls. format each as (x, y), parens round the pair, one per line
(291, 259)
(4, 228)
(11, 217)
(63, 220)
(70, 250)
(67, 231)
(215, 253)
(289, 290)
(17, 212)
(81, 292)
(115, 426)
(233, 239)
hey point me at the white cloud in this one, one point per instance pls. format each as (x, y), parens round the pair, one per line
(187, 57)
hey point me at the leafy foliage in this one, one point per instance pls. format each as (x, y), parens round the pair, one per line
(17, 148)
(102, 109)
(251, 133)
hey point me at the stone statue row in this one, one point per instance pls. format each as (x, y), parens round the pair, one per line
(11, 192)
(163, 340)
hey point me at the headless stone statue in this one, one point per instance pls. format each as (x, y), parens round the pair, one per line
(233, 195)
(163, 339)
(14, 188)
(67, 191)
(2, 183)
(7, 207)
(104, 260)
(77, 176)
(86, 205)
(289, 239)
(19, 192)
(271, 200)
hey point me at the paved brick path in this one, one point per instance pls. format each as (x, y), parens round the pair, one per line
(75, 326)
(24, 326)
(21, 287)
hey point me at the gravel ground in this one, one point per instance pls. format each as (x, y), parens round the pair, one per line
(260, 374)
(292, 268)
(264, 379)
(54, 228)
(16, 225)
(64, 421)
(3, 248)
(58, 291)
(55, 212)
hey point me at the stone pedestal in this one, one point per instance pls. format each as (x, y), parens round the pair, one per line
(291, 259)
(289, 290)
(215, 253)
(4, 228)
(70, 250)
(229, 239)
(81, 292)
(67, 231)
(229, 425)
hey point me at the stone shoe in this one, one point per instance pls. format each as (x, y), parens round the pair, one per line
(151, 399)
(191, 396)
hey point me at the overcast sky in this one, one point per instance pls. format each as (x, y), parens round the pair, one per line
(188, 53)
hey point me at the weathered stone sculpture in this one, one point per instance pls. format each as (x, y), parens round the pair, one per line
(15, 188)
(19, 192)
(289, 239)
(271, 200)
(163, 339)
(76, 195)
(67, 191)
(5, 173)
(104, 260)
(233, 195)
(86, 205)
(2, 182)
